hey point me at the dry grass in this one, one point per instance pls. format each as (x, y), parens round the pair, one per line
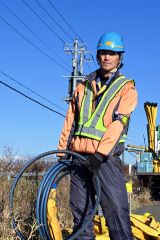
(25, 197)
(140, 199)
(24, 208)
(64, 211)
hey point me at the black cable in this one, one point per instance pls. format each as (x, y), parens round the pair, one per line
(95, 63)
(132, 154)
(53, 19)
(41, 51)
(24, 86)
(32, 99)
(69, 25)
(29, 29)
(64, 21)
(46, 24)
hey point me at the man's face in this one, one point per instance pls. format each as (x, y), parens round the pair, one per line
(108, 60)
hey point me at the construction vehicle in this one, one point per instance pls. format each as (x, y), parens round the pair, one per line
(147, 167)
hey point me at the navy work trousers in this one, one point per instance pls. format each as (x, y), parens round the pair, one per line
(114, 200)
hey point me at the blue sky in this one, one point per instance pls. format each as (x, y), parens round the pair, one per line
(31, 129)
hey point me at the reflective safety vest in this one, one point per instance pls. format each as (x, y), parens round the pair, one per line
(91, 124)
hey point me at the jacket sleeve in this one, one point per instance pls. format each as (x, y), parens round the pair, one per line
(126, 106)
(68, 127)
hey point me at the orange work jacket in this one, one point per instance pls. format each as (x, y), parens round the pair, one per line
(124, 103)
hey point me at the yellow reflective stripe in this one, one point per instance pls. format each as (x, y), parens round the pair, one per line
(90, 105)
(99, 124)
(87, 135)
(82, 105)
(125, 120)
(91, 125)
(123, 138)
(102, 90)
(99, 85)
(93, 132)
(86, 106)
(93, 136)
(96, 118)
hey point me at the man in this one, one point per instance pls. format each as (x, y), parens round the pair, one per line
(96, 126)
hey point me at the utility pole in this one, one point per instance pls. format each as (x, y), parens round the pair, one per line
(78, 52)
(75, 64)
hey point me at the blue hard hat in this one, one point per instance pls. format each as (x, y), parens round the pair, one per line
(111, 41)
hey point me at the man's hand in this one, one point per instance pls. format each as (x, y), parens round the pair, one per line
(93, 162)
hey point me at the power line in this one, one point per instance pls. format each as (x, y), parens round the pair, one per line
(24, 86)
(68, 24)
(32, 99)
(40, 50)
(93, 60)
(53, 19)
(36, 35)
(132, 154)
(46, 24)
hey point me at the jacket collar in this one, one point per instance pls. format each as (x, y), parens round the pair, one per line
(96, 74)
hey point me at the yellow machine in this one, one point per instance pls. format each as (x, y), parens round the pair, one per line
(148, 157)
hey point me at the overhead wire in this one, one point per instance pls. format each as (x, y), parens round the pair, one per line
(32, 91)
(29, 29)
(69, 25)
(44, 22)
(132, 154)
(39, 49)
(32, 99)
(53, 19)
(93, 60)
